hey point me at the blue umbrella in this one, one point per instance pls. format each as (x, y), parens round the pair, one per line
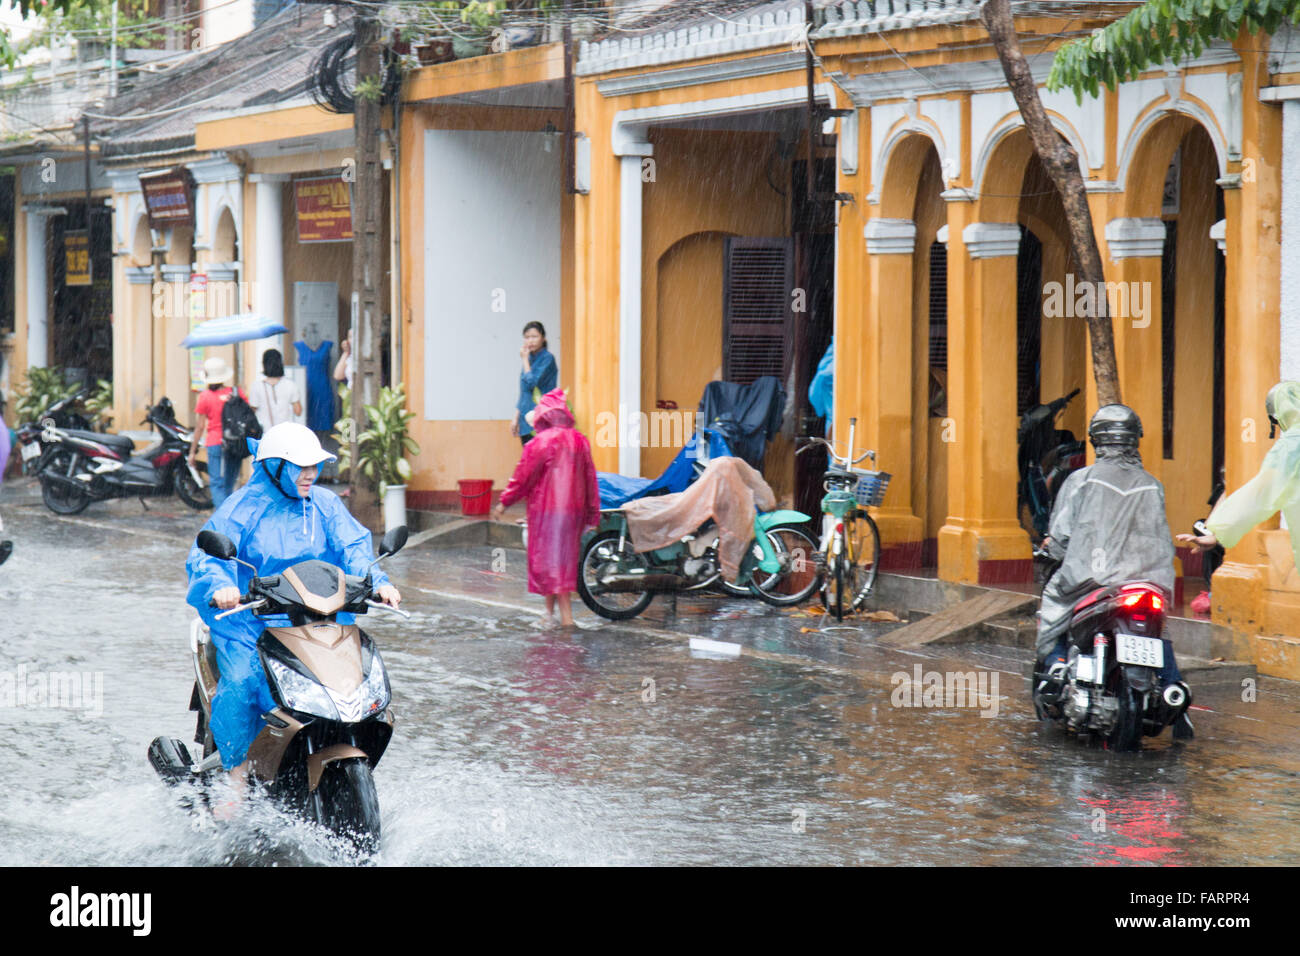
(230, 329)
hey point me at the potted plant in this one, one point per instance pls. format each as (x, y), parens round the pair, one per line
(382, 449)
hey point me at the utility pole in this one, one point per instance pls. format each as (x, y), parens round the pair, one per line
(366, 228)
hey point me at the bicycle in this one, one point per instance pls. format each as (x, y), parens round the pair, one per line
(849, 552)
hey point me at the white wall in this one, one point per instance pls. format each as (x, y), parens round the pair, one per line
(491, 264)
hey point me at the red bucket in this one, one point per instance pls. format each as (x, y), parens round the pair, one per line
(475, 496)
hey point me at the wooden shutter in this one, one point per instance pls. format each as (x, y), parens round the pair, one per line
(757, 300)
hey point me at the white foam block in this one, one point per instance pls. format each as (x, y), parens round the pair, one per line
(706, 646)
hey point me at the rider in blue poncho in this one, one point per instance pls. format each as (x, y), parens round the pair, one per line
(275, 521)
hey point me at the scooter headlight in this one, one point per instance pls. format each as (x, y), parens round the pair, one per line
(296, 692)
(375, 692)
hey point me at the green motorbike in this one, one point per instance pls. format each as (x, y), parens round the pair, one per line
(618, 583)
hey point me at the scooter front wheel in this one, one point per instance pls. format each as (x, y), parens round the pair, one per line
(349, 804)
(601, 556)
(198, 498)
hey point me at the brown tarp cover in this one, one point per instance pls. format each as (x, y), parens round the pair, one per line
(728, 493)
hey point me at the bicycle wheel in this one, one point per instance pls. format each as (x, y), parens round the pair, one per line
(798, 577)
(863, 555)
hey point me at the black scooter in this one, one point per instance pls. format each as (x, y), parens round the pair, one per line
(61, 414)
(77, 466)
(1046, 457)
(1109, 687)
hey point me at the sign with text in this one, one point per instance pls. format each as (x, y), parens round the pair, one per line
(324, 207)
(169, 197)
(76, 245)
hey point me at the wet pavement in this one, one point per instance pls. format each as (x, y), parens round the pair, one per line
(607, 744)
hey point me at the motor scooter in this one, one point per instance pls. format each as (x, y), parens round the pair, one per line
(77, 467)
(332, 721)
(1046, 457)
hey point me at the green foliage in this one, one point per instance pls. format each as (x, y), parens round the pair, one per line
(43, 387)
(383, 446)
(100, 405)
(89, 20)
(1157, 31)
(343, 429)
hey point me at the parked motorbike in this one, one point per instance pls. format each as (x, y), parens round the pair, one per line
(1110, 686)
(77, 467)
(62, 415)
(332, 721)
(618, 583)
(1046, 457)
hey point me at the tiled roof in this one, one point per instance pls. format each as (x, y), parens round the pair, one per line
(268, 65)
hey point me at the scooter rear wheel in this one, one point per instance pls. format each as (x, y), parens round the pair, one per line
(59, 496)
(600, 552)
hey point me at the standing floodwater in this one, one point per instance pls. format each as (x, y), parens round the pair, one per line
(518, 745)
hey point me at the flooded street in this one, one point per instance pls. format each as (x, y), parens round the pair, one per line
(519, 745)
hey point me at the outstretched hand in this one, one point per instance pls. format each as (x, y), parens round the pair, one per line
(1204, 542)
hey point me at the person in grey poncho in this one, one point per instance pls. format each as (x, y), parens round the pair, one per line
(1108, 527)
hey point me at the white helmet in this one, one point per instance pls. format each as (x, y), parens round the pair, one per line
(294, 443)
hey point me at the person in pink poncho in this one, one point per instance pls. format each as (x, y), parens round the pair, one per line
(558, 477)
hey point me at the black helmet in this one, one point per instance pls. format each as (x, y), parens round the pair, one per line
(1115, 425)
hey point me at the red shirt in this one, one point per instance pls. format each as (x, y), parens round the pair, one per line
(210, 403)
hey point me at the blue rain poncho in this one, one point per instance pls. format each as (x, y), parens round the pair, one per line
(1275, 488)
(273, 528)
(821, 388)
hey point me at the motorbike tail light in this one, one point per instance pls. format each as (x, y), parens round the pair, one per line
(839, 527)
(1142, 601)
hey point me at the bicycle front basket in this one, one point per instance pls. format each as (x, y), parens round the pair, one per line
(871, 487)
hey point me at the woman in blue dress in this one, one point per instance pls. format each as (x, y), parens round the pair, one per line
(539, 376)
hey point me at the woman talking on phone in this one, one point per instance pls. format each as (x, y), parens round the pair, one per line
(538, 376)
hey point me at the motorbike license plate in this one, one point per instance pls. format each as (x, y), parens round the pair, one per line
(1144, 651)
(31, 451)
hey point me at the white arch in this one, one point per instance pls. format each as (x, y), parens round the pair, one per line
(1008, 126)
(1187, 107)
(913, 125)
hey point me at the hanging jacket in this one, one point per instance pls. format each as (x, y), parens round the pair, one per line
(1275, 488)
(1108, 527)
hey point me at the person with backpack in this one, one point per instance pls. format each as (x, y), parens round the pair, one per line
(228, 415)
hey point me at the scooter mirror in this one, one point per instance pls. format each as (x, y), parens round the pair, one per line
(393, 541)
(216, 545)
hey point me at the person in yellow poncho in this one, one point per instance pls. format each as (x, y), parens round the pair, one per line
(1275, 488)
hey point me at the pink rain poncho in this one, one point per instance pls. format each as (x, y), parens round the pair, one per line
(558, 477)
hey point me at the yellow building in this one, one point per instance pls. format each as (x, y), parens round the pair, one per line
(934, 245)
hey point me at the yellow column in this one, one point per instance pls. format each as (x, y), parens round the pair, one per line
(1250, 596)
(885, 418)
(1135, 247)
(982, 542)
